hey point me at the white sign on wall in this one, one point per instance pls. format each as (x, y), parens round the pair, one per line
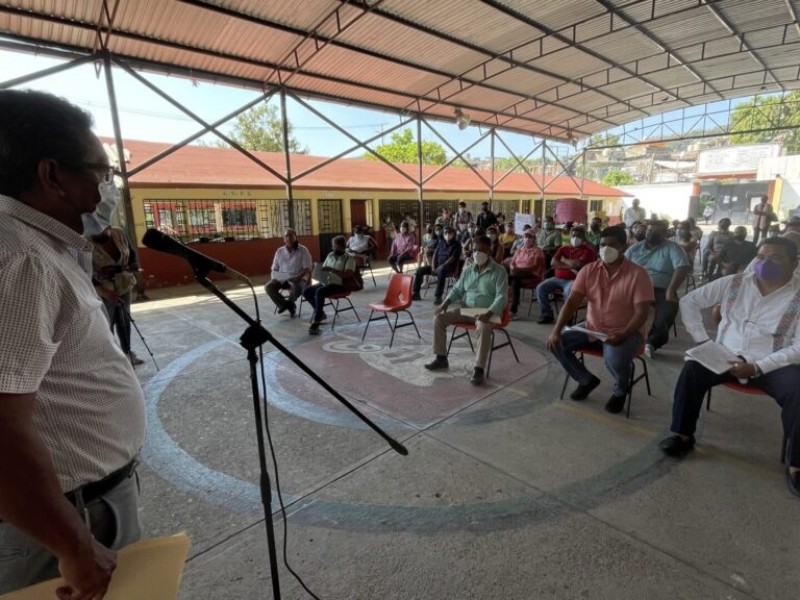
(735, 159)
(522, 219)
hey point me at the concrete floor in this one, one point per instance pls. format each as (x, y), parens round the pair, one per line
(507, 491)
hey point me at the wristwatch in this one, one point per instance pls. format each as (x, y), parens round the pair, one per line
(756, 371)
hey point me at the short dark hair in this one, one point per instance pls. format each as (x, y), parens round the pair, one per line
(339, 240)
(579, 230)
(618, 233)
(482, 239)
(788, 246)
(36, 125)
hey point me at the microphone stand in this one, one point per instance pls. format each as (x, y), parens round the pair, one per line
(253, 337)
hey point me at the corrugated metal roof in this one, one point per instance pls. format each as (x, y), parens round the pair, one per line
(576, 66)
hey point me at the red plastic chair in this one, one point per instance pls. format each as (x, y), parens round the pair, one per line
(397, 300)
(501, 327)
(753, 391)
(631, 382)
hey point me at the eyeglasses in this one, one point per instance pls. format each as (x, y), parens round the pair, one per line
(105, 172)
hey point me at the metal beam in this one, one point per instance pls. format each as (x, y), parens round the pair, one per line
(75, 62)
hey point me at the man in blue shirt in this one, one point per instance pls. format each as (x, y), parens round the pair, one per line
(483, 285)
(445, 261)
(667, 265)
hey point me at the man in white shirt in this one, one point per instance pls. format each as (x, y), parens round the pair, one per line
(291, 270)
(72, 414)
(760, 318)
(633, 214)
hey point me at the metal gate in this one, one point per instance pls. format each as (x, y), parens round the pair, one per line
(329, 215)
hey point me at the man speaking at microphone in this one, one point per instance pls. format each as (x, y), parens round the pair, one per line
(69, 434)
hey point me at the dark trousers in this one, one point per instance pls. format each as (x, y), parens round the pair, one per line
(119, 317)
(782, 385)
(316, 295)
(663, 319)
(398, 260)
(441, 277)
(516, 282)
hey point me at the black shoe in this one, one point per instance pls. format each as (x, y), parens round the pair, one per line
(477, 376)
(615, 404)
(793, 482)
(439, 363)
(292, 310)
(416, 297)
(283, 309)
(437, 301)
(582, 391)
(545, 320)
(676, 446)
(323, 317)
(314, 328)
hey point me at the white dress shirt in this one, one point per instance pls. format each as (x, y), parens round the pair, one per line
(287, 264)
(748, 326)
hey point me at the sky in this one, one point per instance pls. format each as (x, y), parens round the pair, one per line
(146, 116)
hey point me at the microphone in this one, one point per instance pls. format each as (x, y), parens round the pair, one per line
(201, 264)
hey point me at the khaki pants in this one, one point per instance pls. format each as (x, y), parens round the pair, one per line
(444, 319)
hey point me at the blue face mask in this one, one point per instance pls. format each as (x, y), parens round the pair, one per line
(768, 270)
(98, 221)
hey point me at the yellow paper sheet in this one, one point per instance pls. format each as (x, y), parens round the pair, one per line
(150, 569)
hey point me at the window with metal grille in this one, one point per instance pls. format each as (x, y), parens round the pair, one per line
(595, 205)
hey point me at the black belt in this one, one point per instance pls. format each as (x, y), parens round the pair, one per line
(93, 491)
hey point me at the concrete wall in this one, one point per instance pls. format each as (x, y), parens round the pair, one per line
(667, 200)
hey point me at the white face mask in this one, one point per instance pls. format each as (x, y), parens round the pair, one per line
(480, 258)
(576, 241)
(448, 237)
(608, 254)
(493, 236)
(98, 221)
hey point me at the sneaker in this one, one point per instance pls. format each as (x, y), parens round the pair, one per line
(676, 446)
(582, 391)
(543, 320)
(615, 404)
(649, 351)
(439, 363)
(477, 376)
(416, 297)
(314, 328)
(135, 360)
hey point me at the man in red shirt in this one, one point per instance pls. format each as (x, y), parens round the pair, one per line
(567, 261)
(619, 296)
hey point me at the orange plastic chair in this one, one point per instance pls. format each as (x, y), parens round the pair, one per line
(633, 380)
(753, 391)
(397, 300)
(501, 327)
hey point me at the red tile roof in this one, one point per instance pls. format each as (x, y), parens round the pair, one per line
(203, 166)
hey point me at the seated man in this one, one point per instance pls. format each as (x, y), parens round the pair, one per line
(711, 263)
(567, 261)
(338, 266)
(619, 296)
(360, 246)
(403, 248)
(548, 239)
(595, 229)
(445, 261)
(483, 284)
(507, 238)
(737, 253)
(527, 264)
(760, 324)
(291, 270)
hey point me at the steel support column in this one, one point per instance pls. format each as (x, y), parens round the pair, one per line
(420, 191)
(287, 157)
(491, 166)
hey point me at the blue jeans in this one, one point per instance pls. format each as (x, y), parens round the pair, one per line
(547, 287)
(617, 358)
(316, 295)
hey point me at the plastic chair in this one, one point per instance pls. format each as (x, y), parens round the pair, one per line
(753, 391)
(501, 327)
(333, 302)
(632, 381)
(397, 300)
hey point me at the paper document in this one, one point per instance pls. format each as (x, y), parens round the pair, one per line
(282, 275)
(150, 569)
(476, 312)
(713, 356)
(582, 328)
(318, 274)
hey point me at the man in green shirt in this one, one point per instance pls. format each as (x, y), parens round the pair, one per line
(483, 284)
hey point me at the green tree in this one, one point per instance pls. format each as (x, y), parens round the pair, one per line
(615, 177)
(603, 139)
(403, 149)
(768, 112)
(260, 128)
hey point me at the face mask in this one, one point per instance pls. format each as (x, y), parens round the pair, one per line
(680, 232)
(594, 227)
(547, 225)
(338, 252)
(575, 241)
(529, 242)
(98, 221)
(608, 254)
(493, 237)
(404, 229)
(448, 237)
(654, 238)
(359, 236)
(438, 232)
(480, 258)
(768, 270)
(639, 236)
(462, 210)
